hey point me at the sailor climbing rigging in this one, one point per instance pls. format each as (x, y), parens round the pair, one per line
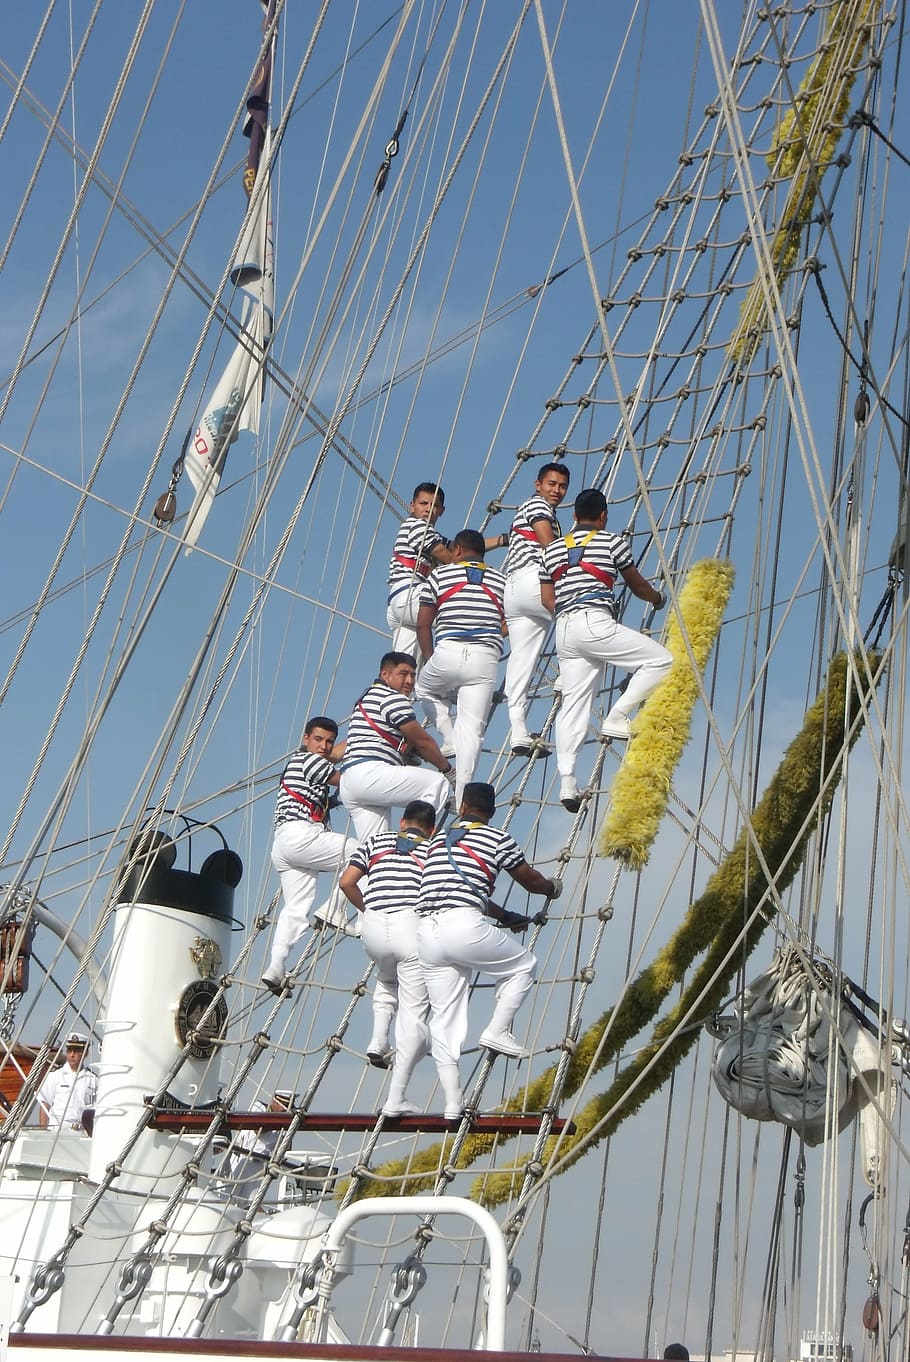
(392, 864)
(418, 548)
(577, 579)
(456, 936)
(383, 730)
(533, 528)
(460, 629)
(303, 845)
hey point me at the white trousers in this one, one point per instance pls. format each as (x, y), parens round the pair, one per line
(585, 641)
(369, 789)
(453, 944)
(467, 672)
(529, 624)
(300, 850)
(401, 617)
(390, 938)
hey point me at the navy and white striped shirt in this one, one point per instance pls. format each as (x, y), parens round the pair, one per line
(412, 554)
(373, 732)
(524, 549)
(583, 566)
(393, 863)
(304, 789)
(469, 603)
(461, 873)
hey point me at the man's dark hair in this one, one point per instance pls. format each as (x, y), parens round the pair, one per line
(676, 1352)
(590, 505)
(471, 541)
(434, 490)
(321, 721)
(396, 659)
(421, 813)
(479, 798)
(559, 468)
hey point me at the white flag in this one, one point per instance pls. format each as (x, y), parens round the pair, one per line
(237, 399)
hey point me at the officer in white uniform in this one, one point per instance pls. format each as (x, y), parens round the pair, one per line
(577, 580)
(387, 899)
(533, 528)
(382, 731)
(456, 936)
(66, 1093)
(251, 1150)
(303, 845)
(460, 631)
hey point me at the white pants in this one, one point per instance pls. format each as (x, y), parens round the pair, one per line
(369, 789)
(453, 944)
(401, 617)
(390, 938)
(585, 640)
(466, 671)
(529, 624)
(301, 850)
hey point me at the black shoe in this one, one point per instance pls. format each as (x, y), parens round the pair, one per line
(380, 1059)
(275, 986)
(572, 803)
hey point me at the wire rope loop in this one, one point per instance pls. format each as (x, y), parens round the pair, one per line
(407, 1280)
(306, 1288)
(47, 1280)
(222, 1277)
(134, 1277)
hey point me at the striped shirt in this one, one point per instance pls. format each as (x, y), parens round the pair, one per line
(583, 566)
(304, 789)
(393, 864)
(468, 599)
(412, 554)
(460, 873)
(373, 732)
(524, 549)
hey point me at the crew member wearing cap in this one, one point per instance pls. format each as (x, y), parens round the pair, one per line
(66, 1093)
(303, 845)
(250, 1150)
(456, 937)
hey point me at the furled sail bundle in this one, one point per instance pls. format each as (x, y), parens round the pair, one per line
(793, 1053)
(236, 402)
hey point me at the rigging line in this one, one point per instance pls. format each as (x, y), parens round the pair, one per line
(23, 78)
(859, 366)
(153, 532)
(82, 751)
(39, 161)
(863, 119)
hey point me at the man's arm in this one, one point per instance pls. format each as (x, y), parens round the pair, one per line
(441, 553)
(543, 531)
(424, 745)
(425, 617)
(548, 597)
(641, 587)
(532, 880)
(496, 541)
(348, 884)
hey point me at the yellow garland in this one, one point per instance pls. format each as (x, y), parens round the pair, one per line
(804, 147)
(641, 787)
(798, 795)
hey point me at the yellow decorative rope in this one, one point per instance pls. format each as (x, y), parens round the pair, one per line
(641, 787)
(797, 798)
(804, 147)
